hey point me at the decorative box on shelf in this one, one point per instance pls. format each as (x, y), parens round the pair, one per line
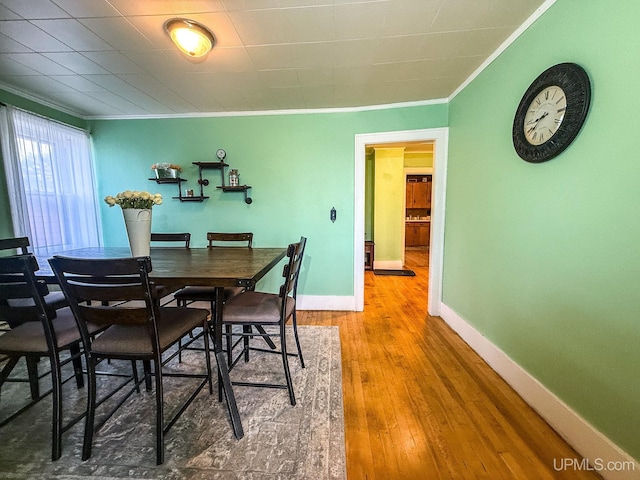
(167, 173)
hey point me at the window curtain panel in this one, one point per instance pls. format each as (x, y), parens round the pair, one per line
(50, 182)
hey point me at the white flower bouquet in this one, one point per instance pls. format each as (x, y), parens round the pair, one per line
(134, 199)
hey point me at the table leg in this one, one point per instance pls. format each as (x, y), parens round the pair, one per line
(223, 370)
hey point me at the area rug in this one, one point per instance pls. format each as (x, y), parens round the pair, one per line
(400, 273)
(280, 442)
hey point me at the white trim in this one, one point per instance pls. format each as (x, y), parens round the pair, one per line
(436, 250)
(506, 44)
(328, 302)
(41, 101)
(581, 435)
(387, 264)
(258, 113)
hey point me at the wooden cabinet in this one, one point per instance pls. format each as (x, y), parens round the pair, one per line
(417, 234)
(418, 195)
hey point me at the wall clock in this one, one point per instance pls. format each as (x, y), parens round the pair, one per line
(551, 112)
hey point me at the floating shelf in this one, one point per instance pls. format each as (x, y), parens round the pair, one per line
(168, 180)
(199, 198)
(239, 188)
(212, 165)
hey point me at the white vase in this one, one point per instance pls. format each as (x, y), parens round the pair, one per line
(138, 223)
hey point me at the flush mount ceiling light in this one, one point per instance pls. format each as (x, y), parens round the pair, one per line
(192, 38)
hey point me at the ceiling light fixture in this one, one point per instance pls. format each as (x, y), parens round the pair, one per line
(192, 38)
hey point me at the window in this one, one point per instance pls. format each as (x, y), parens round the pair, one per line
(50, 182)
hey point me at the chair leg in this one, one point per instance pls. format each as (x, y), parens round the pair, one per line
(229, 341)
(246, 337)
(134, 373)
(56, 386)
(32, 369)
(74, 350)
(295, 335)
(159, 412)
(91, 409)
(285, 364)
(146, 366)
(207, 352)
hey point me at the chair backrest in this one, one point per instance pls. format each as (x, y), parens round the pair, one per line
(172, 237)
(15, 243)
(21, 294)
(291, 271)
(98, 289)
(215, 238)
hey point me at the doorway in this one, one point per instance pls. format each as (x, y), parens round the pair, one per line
(440, 138)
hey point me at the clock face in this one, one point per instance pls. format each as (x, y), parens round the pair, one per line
(545, 115)
(221, 154)
(551, 112)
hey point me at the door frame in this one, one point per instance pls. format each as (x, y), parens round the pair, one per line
(440, 137)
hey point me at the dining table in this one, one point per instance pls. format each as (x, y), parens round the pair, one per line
(177, 267)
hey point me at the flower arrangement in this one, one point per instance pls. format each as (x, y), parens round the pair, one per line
(166, 166)
(134, 199)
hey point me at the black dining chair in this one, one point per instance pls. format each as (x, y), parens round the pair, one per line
(169, 238)
(20, 245)
(259, 309)
(208, 294)
(137, 328)
(34, 334)
(188, 295)
(183, 238)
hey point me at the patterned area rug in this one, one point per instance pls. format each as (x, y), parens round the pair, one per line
(280, 441)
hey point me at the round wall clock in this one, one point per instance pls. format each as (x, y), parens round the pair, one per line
(551, 112)
(221, 154)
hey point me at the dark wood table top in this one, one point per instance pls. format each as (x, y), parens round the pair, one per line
(178, 266)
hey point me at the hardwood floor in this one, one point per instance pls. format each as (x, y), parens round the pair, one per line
(420, 404)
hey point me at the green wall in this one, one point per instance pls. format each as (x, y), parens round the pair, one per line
(544, 259)
(299, 167)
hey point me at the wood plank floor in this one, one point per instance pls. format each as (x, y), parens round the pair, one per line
(420, 404)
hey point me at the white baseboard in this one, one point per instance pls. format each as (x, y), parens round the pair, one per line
(387, 264)
(604, 456)
(326, 302)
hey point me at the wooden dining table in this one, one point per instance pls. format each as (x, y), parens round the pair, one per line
(177, 267)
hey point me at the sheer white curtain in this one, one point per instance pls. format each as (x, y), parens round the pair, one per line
(50, 181)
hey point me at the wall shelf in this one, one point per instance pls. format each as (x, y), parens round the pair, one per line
(239, 188)
(190, 199)
(168, 180)
(203, 182)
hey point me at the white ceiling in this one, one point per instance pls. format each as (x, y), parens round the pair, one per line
(111, 58)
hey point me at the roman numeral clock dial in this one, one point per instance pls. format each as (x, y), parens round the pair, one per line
(551, 112)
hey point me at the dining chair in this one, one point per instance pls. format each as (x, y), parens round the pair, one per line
(54, 300)
(20, 245)
(172, 237)
(181, 238)
(139, 329)
(208, 294)
(260, 309)
(36, 334)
